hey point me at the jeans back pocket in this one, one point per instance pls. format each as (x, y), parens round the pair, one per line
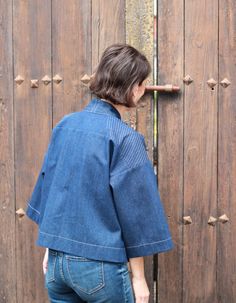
(50, 273)
(86, 275)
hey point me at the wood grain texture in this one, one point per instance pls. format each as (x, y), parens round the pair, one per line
(72, 52)
(170, 53)
(139, 33)
(200, 151)
(102, 22)
(32, 118)
(108, 26)
(7, 192)
(67, 38)
(226, 244)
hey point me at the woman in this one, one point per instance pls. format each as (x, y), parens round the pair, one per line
(96, 199)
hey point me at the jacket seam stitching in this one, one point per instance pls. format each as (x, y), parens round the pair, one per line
(34, 209)
(83, 131)
(130, 168)
(150, 243)
(42, 232)
(103, 113)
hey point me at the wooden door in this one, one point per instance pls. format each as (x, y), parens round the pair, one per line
(197, 149)
(46, 48)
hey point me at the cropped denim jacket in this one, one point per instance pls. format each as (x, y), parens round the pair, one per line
(96, 194)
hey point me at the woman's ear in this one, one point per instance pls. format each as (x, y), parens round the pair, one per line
(135, 90)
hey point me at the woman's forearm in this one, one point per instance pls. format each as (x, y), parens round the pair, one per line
(137, 267)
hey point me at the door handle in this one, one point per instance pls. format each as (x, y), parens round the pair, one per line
(160, 88)
(163, 88)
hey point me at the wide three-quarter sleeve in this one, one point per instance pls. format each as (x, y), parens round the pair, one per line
(34, 203)
(137, 200)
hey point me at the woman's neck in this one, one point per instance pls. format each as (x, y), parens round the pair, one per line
(121, 108)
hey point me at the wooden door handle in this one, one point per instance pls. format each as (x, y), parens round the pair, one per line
(163, 88)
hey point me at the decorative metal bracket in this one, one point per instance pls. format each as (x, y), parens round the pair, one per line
(57, 79)
(86, 79)
(46, 80)
(187, 220)
(212, 221)
(34, 83)
(211, 82)
(19, 79)
(187, 79)
(223, 218)
(20, 212)
(225, 82)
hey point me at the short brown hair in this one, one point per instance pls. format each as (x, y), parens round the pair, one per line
(121, 67)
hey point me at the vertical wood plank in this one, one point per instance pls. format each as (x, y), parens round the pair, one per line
(7, 192)
(170, 113)
(32, 60)
(102, 36)
(72, 49)
(106, 15)
(102, 22)
(226, 244)
(200, 150)
(139, 33)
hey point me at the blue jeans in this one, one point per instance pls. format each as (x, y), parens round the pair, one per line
(76, 279)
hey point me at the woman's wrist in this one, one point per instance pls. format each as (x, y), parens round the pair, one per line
(137, 267)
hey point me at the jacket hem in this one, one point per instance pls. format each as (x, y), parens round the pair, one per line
(150, 248)
(33, 214)
(77, 248)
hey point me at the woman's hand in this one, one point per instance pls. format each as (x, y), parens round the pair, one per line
(139, 283)
(141, 290)
(45, 261)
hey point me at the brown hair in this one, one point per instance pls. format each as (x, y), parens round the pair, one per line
(121, 67)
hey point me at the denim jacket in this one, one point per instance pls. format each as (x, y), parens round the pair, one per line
(96, 194)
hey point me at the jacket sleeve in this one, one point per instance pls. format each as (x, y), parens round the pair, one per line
(34, 203)
(137, 200)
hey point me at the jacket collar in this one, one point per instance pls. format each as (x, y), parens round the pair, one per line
(97, 105)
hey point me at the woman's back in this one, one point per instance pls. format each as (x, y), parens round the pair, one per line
(89, 154)
(96, 200)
